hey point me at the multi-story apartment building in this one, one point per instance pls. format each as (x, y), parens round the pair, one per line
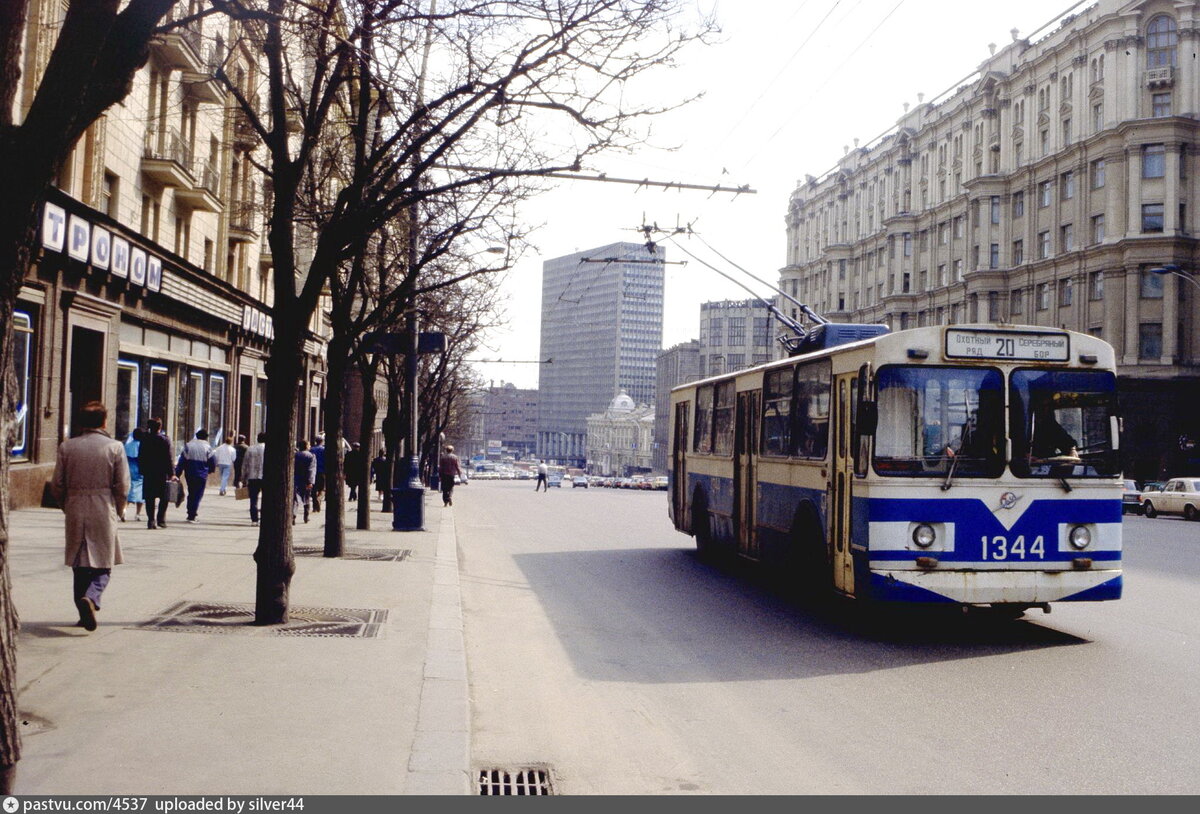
(507, 421)
(734, 334)
(1045, 190)
(601, 331)
(152, 279)
(676, 365)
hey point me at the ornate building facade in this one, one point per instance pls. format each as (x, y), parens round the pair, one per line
(619, 440)
(1051, 189)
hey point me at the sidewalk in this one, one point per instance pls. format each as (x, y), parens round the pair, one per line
(218, 706)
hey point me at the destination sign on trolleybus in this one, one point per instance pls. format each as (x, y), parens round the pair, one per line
(1023, 346)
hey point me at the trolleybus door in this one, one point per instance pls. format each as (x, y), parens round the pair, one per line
(679, 488)
(745, 474)
(839, 492)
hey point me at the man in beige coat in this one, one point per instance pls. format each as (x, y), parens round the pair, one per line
(91, 482)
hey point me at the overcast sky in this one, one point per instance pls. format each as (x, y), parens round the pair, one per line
(789, 85)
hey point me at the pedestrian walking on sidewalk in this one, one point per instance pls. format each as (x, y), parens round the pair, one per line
(352, 465)
(135, 496)
(91, 484)
(318, 489)
(195, 462)
(241, 446)
(381, 473)
(542, 480)
(154, 462)
(252, 471)
(303, 479)
(448, 472)
(225, 455)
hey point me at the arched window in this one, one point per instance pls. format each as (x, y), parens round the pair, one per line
(1161, 39)
(1102, 66)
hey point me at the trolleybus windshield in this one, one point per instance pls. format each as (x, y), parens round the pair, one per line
(931, 418)
(1060, 422)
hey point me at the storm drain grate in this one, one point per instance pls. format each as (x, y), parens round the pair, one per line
(237, 618)
(523, 782)
(372, 554)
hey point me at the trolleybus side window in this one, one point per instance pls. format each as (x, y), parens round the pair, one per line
(1060, 423)
(704, 411)
(810, 436)
(723, 419)
(934, 418)
(777, 412)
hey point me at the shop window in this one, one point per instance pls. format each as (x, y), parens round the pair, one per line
(23, 366)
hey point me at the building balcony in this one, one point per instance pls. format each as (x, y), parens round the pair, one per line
(244, 135)
(241, 222)
(1161, 77)
(180, 47)
(166, 158)
(204, 194)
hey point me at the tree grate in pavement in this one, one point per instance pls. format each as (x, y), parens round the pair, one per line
(372, 554)
(523, 782)
(237, 618)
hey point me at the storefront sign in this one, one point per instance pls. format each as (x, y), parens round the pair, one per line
(105, 251)
(256, 322)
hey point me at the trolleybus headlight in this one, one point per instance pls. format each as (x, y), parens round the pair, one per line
(923, 535)
(1080, 537)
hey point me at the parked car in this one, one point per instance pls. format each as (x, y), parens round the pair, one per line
(554, 479)
(1131, 497)
(660, 483)
(1180, 496)
(579, 480)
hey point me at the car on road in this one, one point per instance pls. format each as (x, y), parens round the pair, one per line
(554, 479)
(1131, 497)
(579, 480)
(1180, 496)
(660, 483)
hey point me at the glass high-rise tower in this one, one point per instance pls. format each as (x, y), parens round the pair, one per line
(602, 328)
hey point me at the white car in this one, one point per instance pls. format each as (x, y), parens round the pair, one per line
(1180, 496)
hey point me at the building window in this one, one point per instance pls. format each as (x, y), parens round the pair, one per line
(1018, 252)
(1066, 238)
(1160, 105)
(1097, 229)
(1044, 194)
(1043, 296)
(1096, 285)
(737, 331)
(23, 366)
(993, 306)
(1043, 245)
(958, 226)
(1098, 173)
(109, 195)
(906, 283)
(1018, 204)
(958, 271)
(1045, 142)
(1150, 346)
(736, 361)
(908, 244)
(1066, 132)
(1068, 186)
(941, 276)
(1097, 117)
(1019, 153)
(1154, 161)
(975, 256)
(995, 208)
(1161, 39)
(1016, 304)
(1066, 292)
(994, 256)
(1152, 217)
(1151, 285)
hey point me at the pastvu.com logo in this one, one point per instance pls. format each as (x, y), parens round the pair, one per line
(11, 805)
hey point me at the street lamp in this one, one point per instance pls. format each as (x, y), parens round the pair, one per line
(1171, 268)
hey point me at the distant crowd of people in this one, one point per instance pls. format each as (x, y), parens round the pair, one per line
(96, 478)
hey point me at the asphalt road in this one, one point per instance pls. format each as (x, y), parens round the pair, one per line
(600, 646)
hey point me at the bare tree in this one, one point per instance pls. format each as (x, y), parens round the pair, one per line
(460, 95)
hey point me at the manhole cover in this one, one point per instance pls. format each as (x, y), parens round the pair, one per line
(522, 782)
(238, 618)
(372, 554)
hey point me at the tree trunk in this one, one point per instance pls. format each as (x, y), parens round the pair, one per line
(366, 439)
(337, 359)
(276, 562)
